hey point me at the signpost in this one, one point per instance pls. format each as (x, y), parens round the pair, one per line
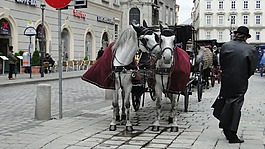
(30, 31)
(59, 4)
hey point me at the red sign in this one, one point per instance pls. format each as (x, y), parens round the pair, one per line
(79, 14)
(58, 3)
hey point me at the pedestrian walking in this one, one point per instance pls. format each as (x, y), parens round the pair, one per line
(100, 53)
(12, 62)
(238, 62)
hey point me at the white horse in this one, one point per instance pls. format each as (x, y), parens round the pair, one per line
(163, 69)
(124, 49)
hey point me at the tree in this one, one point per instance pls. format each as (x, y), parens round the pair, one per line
(36, 58)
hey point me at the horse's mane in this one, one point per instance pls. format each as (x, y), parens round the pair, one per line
(124, 37)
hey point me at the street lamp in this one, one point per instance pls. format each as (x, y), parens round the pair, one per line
(231, 27)
(42, 6)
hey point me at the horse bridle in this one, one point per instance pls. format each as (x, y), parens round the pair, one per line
(144, 42)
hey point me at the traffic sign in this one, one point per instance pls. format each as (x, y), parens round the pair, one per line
(58, 3)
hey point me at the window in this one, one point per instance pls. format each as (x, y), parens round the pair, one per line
(208, 35)
(208, 5)
(257, 4)
(134, 16)
(208, 19)
(257, 35)
(220, 19)
(245, 4)
(233, 20)
(245, 19)
(221, 5)
(257, 19)
(117, 2)
(116, 31)
(220, 36)
(233, 4)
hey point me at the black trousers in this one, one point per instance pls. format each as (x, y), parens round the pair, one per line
(11, 70)
(231, 113)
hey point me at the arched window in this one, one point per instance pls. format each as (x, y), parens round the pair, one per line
(5, 27)
(134, 16)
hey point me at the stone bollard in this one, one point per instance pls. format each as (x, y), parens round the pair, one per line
(109, 94)
(43, 102)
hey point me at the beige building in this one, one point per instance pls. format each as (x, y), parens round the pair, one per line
(83, 30)
(217, 19)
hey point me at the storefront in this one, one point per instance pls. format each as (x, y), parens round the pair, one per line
(82, 32)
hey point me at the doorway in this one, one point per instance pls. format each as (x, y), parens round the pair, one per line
(4, 44)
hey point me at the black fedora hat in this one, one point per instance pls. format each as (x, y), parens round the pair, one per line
(243, 30)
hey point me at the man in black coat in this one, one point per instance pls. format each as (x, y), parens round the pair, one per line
(238, 62)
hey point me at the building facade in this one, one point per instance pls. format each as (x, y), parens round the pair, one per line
(83, 31)
(153, 11)
(217, 19)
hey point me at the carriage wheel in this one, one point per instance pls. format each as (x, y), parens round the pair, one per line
(212, 79)
(186, 99)
(219, 77)
(135, 102)
(199, 88)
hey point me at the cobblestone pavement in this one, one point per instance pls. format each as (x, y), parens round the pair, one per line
(86, 118)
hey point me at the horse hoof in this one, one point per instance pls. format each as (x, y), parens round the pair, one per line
(112, 127)
(129, 128)
(174, 129)
(170, 120)
(118, 118)
(123, 117)
(155, 128)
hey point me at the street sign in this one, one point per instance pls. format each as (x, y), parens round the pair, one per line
(30, 31)
(58, 3)
(80, 4)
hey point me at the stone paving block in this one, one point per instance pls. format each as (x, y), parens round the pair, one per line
(78, 147)
(105, 146)
(138, 142)
(161, 141)
(87, 143)
(114, 142)
(156, 145)
(129, 147)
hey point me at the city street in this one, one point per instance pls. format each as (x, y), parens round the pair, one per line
(87, 115)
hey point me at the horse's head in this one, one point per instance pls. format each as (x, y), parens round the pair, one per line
(148, 40)
(167, 44)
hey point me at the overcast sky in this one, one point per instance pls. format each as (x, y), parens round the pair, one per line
(185, 9)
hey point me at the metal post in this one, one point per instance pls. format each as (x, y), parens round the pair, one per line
(60, 63)
(30, 60)
(42, 38)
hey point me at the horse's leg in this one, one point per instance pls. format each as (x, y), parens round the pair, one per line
(115, 105)
(127, 91)
(158, 94)
(173, 116)
(123, 114)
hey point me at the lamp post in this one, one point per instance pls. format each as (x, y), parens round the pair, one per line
(231, 27)
(42, 6)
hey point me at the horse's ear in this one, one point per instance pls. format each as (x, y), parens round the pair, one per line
(136, 28)
(145, 24)
(161, 27)
(156, 37)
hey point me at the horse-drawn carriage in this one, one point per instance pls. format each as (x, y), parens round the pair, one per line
(169, 72)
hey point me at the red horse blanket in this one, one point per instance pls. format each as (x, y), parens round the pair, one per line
(181, 71)
(100, 73)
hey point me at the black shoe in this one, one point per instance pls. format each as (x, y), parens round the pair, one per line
(233, 138)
